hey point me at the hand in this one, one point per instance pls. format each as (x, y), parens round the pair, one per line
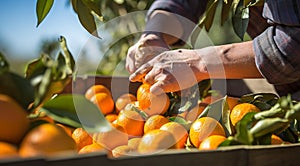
(172, 71)
(144, 50)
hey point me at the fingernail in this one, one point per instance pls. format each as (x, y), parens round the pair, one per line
(132, 77)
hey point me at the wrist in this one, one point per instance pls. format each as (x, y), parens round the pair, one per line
(149, 35)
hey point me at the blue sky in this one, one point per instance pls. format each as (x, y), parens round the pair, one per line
(20, 35)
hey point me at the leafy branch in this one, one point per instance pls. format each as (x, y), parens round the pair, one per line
(257, 128)
(49, 76)
(86, 11)
(44, 78)
(238, 9)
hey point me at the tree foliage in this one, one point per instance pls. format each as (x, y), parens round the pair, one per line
(91, 13)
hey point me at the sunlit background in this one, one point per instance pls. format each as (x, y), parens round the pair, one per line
(21, 40)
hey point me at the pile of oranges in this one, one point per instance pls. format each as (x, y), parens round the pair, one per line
(22, 137)
(139, 126)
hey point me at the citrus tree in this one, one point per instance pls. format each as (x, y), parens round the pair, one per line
(91, 13)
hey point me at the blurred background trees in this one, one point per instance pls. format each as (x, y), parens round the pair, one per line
(117, 36)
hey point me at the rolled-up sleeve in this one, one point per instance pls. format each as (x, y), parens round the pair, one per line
(188, 13)
(277, 49)
(190, 9)
(278, 54)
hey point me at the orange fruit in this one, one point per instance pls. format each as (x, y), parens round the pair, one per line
(212, 98)
(132, 122)
(150, 103)
(81, 137)
(94, 89)
(193, 114)
(69, 130)
(275, 140)
(13, 120)
(154, 122)
(203, 128)
(46, 139)
(156, 141)
(123, 100)
(94, 147)
(212, 142)
(122, 150)
(111, 138)
(232, 102)
(104, 102)
(8, 150)
(111, 117)
(179, 132)
(240, 110)
(133, 143)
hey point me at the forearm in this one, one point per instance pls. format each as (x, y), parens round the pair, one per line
(232, 61)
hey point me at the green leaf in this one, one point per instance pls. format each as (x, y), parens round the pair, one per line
(290, 135)
(42, 89)
(188, 104)
(86, 18)
(69, 64)
(263, 101)
(94, 5)
(273, 112)
(235, 5)
(178, 119)
(18, 88)
(263, 140)
(195, 33)
(15, 86)
(36, 67)
(208, 17)
(42, 9)
(4, 66)
(219, 110)
(206, 20)
(294, 112)
(75, 110)
(225, 11)
(230, 141)
(249, 3)
(181, 121)
(50, 76)
(204, 86)
(265, 97)
(74, 5)
(242, 129)
(226, 116)
(240, 19)
(269, 126)
(131, 107)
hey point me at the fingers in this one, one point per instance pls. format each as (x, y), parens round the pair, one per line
(140, 73)
(152, 74)
(164, 86)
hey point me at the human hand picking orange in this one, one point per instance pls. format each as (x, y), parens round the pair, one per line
(171, 71)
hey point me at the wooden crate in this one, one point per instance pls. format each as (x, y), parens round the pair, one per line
(231, 156)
